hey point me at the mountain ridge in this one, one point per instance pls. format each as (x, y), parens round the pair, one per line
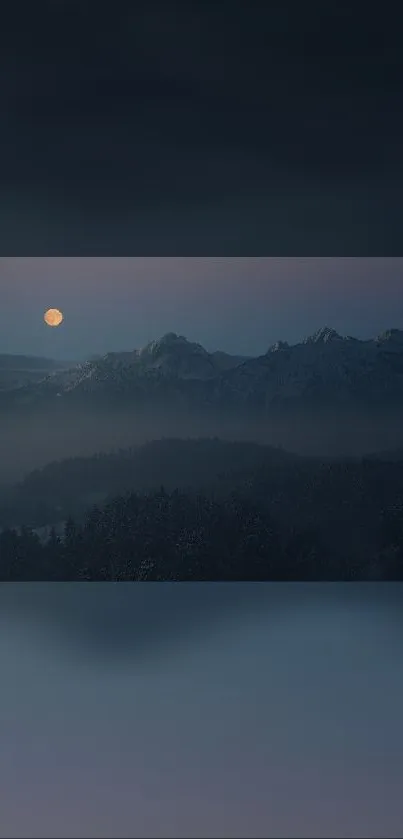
(324, 366)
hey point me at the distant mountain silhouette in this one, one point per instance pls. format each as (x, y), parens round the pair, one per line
(20, 370)
(327, 394)
(324, 368)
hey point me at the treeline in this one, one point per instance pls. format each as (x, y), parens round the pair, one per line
(228, 511)
(70, 486)
(189, 536)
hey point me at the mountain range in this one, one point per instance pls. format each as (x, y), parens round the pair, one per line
(324, 369)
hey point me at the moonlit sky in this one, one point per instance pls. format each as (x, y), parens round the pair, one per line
(235, 304)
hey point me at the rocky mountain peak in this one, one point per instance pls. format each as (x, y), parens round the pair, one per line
(395, 335)
(279, 345)
(170, 342)
(323, 336)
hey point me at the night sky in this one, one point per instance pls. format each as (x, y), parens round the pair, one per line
(236, 304)
(166, 128)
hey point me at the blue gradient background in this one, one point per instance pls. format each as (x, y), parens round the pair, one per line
(201, 710)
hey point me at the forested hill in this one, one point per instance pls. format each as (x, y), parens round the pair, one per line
(70, 486)
(237, 512)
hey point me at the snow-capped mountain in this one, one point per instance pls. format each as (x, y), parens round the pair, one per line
(171, 357)
(324, 369)
(174, 355)
(323, 336)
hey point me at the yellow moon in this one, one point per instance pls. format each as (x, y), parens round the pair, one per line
(53, 317)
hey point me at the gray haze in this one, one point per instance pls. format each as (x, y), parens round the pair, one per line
(201, 710)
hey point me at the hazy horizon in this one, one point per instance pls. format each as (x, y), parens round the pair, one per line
(238, 305)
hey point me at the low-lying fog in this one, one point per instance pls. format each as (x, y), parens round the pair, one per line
(31, 442)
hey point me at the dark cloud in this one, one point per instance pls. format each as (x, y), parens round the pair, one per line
(174, 127)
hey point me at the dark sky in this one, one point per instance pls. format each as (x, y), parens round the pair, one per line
(175, 128)
(241, 305)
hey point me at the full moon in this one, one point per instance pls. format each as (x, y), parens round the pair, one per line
(53, 317)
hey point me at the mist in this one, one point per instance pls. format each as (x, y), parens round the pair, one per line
(41, 437)
(201, 710)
